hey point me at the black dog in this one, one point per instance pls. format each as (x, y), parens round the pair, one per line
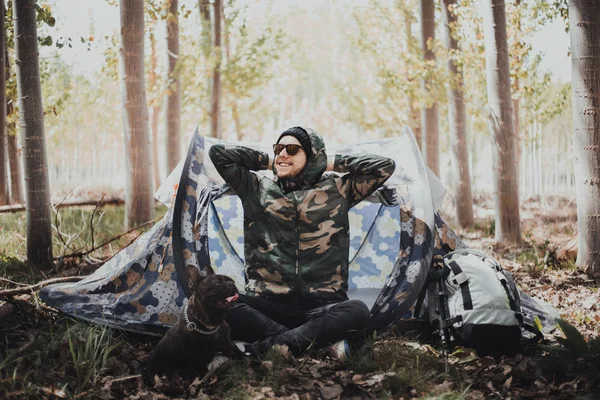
(190, 345)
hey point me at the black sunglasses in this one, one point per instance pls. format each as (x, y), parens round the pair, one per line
(291, 149)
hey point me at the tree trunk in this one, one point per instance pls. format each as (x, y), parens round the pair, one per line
(174, 98)
(517, 130)
(16, 191)
(429, 115)
(457, 116)
(501, 124)
(204, 6)
(155, 111)
(4, 192)
(234, 108)
(515, 103)
(206, 45)
(585, 59)
(14, 156)
(31, 117)
(414, 117)
(215, 109)
(138, 193)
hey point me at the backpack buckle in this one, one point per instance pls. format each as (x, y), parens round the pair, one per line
(461, 278)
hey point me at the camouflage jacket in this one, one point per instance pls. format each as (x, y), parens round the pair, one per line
(296, 231)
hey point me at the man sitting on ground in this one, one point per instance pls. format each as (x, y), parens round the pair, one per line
(296, 241)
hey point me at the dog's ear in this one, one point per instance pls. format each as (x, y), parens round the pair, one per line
(209, 270)
(193, 275)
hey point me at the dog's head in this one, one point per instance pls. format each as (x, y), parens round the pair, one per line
(213, 295)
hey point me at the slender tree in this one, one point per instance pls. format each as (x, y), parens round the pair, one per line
(457, 116)
(429, 113)
(584, 26)
(174, 97)
(4, 192)
(206, 47)
(204, 6)
(16, 175)
(501, 123)
(516, 101)
(234, 107)
(156, 106)
(215, 109)
(414, 116)
(31, 112)
(138, 202)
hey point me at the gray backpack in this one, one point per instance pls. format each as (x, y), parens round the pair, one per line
(473, 302)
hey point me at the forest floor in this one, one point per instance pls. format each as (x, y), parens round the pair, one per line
(45, 354)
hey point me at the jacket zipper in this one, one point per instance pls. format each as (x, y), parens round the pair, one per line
(298, 280)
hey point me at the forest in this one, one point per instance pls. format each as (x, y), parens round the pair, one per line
(106, 98)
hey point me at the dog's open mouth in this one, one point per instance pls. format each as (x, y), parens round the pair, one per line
(228, 301)
(232, 298)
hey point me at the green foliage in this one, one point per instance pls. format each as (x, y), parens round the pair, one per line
(575, 354)
(44, 14)
(89, 347)
(17, 270)
(534, 256)
(573, 340)
(380, 92)
(57, 88)
(486, 226)
(66, 355)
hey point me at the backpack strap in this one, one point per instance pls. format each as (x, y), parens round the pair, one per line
(509, 286)
(508, 283)
(461, 279)
(437, 271)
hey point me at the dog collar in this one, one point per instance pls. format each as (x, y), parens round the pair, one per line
(192, 325)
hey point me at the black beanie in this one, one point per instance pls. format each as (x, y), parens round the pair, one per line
(302, 136)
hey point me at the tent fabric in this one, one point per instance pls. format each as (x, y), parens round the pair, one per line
(393, 236)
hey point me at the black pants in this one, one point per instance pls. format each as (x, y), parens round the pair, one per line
(300, 326)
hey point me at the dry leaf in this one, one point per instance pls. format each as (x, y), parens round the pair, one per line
(55, 392)
(443, 387)
(331, 392)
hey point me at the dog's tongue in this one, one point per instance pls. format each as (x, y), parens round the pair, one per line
(232, 298)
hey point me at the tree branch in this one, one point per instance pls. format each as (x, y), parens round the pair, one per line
(85, 253)
(31, 288)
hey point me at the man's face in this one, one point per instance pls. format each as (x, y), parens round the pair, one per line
(288, 166)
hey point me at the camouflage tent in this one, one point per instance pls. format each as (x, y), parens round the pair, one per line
(394, 234)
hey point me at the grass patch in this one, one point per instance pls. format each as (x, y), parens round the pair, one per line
(16, 270)
(414, 368)
(89, 347)
(232, 383)
(71, 230)
(536, 257)
(568, 264)
(409, 369)
(486, 226)
(62, 354)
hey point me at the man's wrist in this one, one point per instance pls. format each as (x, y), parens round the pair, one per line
(330, 163)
